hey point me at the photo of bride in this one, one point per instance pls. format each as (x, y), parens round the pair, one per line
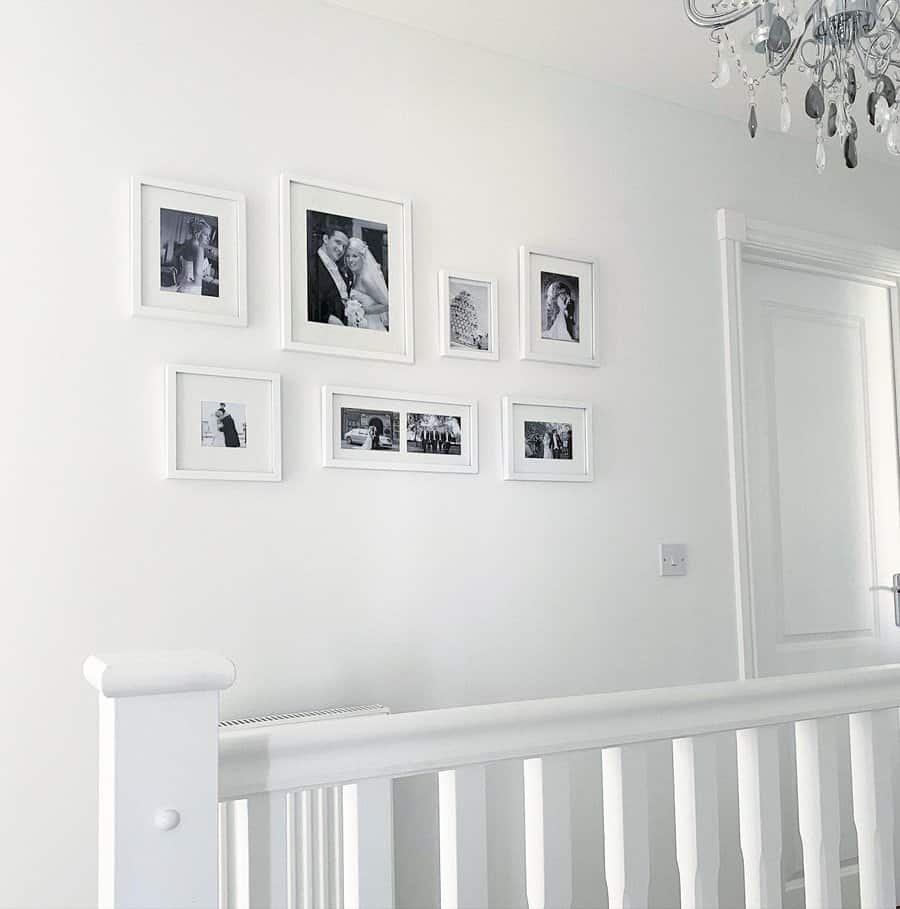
(559, 320)
(347, 271)
(188, 252)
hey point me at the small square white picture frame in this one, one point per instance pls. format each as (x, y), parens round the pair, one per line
(533, 263)
(488, 283)
(300, 196)
(402, 403)
(186, 389)
(517, 410)
(150, 196)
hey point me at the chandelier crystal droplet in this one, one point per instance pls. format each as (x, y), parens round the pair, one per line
(847, 49)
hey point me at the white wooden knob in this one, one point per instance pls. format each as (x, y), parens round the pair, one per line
(167, 819)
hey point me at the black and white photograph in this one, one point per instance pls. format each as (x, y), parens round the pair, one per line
(549, 441)
(558, 308)
(429, 433)
(370, 430)
(560, 315)
(347, 271)
(470, 315)
(223, 424)
(364, 429)
(188, 252)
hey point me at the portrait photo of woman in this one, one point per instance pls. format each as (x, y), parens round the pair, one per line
(189, 253)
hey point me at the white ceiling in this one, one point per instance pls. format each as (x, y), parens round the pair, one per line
(648, 47)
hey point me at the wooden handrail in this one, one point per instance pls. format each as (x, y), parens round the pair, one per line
(288, 757)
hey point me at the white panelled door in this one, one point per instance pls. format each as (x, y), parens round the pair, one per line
(820, 472)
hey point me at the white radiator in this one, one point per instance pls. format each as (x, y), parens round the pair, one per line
(306, 824)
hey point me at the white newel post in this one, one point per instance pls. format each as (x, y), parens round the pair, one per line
(158, 795)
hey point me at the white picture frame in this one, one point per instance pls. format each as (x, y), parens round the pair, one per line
(163, 208)
(190, 454)
(306, 207)
(484, 289)
(341, 451)
(538, 270)
(518, 413)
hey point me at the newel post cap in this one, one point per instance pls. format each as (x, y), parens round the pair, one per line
(124, 675)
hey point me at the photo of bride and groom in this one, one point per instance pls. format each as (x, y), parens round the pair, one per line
(559, 320)
(548, 440)
(223, 425)
(347, 271)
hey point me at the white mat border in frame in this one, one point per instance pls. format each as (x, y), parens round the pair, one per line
(173, 471)
(509, 403)
(330, 392)
(526, 347)
(445, 275)
(146, 310)
(287, 279)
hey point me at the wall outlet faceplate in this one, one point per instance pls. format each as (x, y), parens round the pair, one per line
(672, 560)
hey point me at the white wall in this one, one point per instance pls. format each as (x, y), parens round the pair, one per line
(496, 590)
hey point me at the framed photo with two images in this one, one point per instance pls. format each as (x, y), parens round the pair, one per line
(547, 440)
(558, 300)
(346, 271)
(468, 314)
(393, 431)
(188, 253)
(222, 424)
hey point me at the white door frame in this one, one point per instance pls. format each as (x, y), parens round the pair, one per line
(744, 240)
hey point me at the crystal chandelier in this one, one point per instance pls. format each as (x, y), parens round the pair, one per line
(841, 45)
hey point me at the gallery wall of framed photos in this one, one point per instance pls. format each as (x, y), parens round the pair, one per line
(347, 291)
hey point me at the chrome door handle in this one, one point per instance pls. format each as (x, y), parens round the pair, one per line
(895, 590)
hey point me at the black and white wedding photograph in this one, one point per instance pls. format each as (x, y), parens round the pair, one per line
(347, 271)
(548, 440)
(560, 315)
(223, 424)
(370, 430)
(188, 252)
(428, 433)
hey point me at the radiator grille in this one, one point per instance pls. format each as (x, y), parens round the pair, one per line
(306, 716)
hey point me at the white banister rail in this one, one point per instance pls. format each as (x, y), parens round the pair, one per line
(165, 766)
(403, 744)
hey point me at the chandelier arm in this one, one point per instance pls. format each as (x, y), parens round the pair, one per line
(718, 20)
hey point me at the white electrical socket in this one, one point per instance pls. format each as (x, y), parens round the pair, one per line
(672, 560)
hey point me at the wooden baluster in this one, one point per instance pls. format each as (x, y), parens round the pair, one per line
(871, 740)
(759, 797)
(300, 850)
(697, 820)
(819, 809)
(267, 831)
(626, 835)
(368, 845)
(337, 846)
(548, 833)
(463, 827)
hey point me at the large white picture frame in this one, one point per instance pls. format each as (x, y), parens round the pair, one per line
(482, 290)
(326, 306)
(427, 433)
(569, 336)
(176, 228)
(201, 443)
(547, 440)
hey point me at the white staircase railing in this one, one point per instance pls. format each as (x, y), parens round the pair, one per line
(165, 766)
